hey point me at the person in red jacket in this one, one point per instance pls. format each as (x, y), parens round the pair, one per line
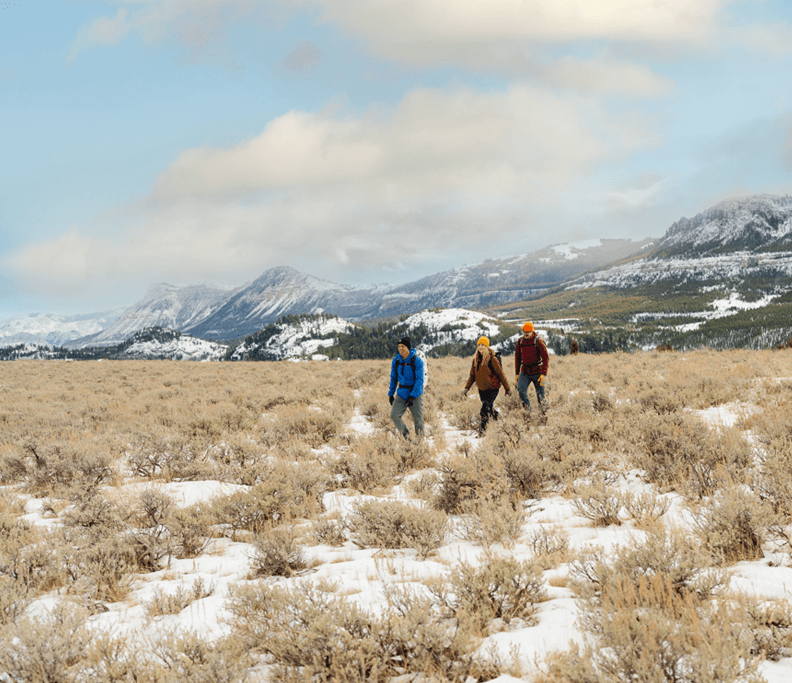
(487, 373)
(531, 363)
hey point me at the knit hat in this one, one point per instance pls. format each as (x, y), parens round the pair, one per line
(405, 341)
(528, 327)
(482, 340)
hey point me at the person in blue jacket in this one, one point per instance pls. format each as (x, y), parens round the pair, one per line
(407, 373)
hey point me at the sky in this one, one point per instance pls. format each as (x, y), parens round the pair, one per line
(374, 141)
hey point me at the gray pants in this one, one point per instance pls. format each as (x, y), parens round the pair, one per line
(398, 409)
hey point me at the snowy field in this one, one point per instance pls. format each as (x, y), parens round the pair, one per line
(365, 576)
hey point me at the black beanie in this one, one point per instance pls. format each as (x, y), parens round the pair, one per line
(405, 341)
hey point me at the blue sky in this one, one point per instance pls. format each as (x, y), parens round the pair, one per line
(372, 141)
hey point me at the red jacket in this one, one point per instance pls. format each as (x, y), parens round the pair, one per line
(530, 356)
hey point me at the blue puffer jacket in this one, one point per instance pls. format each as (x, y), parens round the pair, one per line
(402, 372)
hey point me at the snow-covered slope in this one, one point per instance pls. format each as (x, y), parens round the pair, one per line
(736, 241)
(279, 292)
(164, 306)
(171, 345)
(54, 330)
(303, 338)
(513, 278)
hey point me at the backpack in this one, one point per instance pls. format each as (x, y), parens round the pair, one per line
(422, 356)
(536, 344)
(497, 355)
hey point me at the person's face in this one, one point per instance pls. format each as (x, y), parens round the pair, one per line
(404, 351)
(482, 349)
(526, 333)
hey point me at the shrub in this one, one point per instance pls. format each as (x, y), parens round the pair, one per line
(45, 649)
(57, 466)
(650, 611)
(678, 451)
(770, 624)
(329, 531)
(172, 457)
(186, 658)
(487, 522)
(389, 524)
(310, 635)
(190, 530)
(291, 423)
(482, 475)
(652, 633)
(11, 504)
(548, 545)
(100, 567)
(286, 492)
(15, 596)
(173, 603)
(598, 504)
(502, 588)
(732, 525)
(374, 463)
(277, 553)
(645, 508)
(667, 553)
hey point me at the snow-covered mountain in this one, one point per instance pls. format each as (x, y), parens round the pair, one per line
(54, 330)
(279, 292)
(735, 242)
(504, 280)
(285, 291)
(164, 306)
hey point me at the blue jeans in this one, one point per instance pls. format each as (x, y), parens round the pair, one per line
(522, 389)
(400, 407)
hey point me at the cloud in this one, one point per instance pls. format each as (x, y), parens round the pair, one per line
(303, 57)
(102, 31)
(373, 193)
(435, 143)
(194, 24)
(773, 39)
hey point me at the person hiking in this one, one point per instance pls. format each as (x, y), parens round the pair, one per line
(406, 388)
(531, 363)
(487, 373)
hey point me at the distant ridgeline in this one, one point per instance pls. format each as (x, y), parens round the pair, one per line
(292, 336)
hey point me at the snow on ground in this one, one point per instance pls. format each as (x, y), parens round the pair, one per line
(361, 574)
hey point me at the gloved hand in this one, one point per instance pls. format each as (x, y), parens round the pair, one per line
(390, 400)
(410, 402)
(541, 380)
(516, 379)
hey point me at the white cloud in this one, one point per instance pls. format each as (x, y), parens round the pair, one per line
(424, 181)
(450, 24)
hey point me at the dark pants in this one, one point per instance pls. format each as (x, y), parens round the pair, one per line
(487, 397)
(526, 381)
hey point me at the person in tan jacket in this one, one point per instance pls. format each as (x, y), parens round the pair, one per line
(487, 373)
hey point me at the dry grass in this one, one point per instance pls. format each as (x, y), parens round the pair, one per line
(72, 431)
